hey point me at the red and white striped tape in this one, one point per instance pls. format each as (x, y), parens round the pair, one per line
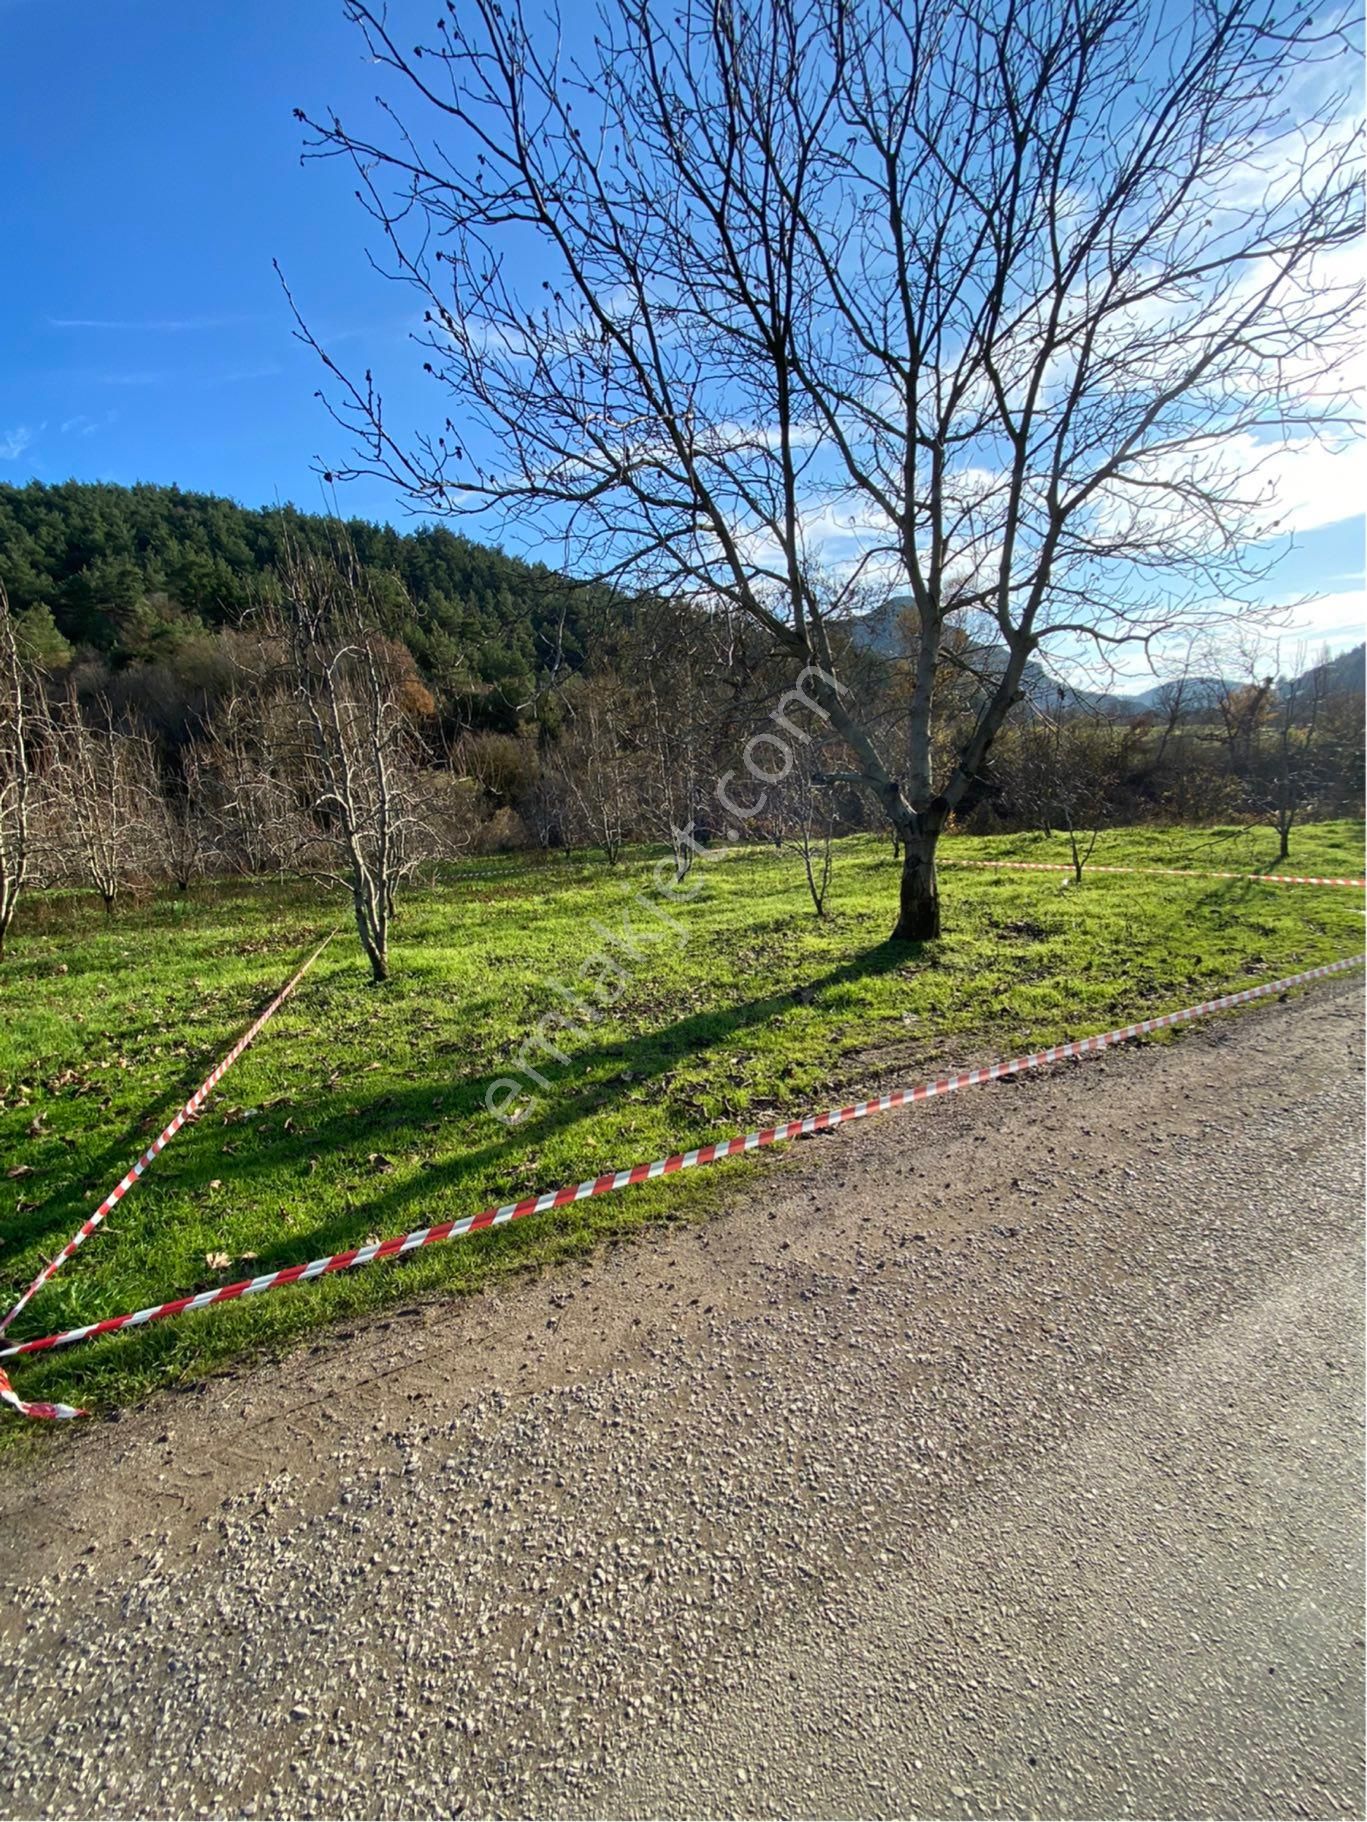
(641, 1173)
(1063, 866)
(126, 1182)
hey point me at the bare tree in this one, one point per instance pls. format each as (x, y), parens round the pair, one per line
(21, 712)
(179, 815)
(357, 745)
(807, 815)
(101, 778)
(1295, 767)
(675, 735)
(594, 776)
(1065, 776)
(258, 823)
(1004, 303)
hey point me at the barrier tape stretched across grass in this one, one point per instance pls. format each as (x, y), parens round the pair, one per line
(1066, 866)
(624, 1179)
(163, 1138)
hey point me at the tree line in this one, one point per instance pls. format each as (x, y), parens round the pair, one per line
(132, 584)
(316, 745)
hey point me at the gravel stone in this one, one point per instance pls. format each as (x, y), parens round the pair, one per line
(998, 1457)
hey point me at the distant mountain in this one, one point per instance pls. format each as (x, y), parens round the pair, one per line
(878, 632)
(1347, 672)
(1197, 693)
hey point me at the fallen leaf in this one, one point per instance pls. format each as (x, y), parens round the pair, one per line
(19, 1170)
(217, 1262)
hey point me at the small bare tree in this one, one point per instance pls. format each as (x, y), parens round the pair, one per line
(22, 709)
(593, 774)
(101, 779)
(1295, 768)
(670, 773)
(1065, 776)
(258, 824)
(1003, 303)
(179, 815)
(357, 746)
(808, 810)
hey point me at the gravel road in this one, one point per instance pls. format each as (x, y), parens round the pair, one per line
(1001, 1457)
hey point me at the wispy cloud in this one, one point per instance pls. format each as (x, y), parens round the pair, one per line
(161, 325)
(84, 426)
(167, 376)
(237, 376)
(14, 442)
(1338, 621)
(140, 376)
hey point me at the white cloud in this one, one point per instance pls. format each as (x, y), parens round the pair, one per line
(1272, 489)
(167, 376)
(140, 376)
(1271, 638)
(1313, 485)
(14, 442)
(1338, 620)
(170, 325)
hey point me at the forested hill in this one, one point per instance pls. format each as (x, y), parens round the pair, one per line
(139, 574)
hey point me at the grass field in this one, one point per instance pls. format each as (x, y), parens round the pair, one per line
(360, 1111)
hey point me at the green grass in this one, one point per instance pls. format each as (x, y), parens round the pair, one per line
(369, 1115)
(1327, 848)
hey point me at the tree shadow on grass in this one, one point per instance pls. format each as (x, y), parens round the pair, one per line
(491, 1172)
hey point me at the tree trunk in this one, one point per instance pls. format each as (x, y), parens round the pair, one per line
(377, 953)
(1076, 846)
(918, 919)
(372, 929)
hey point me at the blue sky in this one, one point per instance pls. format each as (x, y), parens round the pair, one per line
(152, 173)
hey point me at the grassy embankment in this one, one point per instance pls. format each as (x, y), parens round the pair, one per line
(368, 1104)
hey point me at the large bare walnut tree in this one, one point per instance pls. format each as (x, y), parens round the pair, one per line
(1008, 303)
